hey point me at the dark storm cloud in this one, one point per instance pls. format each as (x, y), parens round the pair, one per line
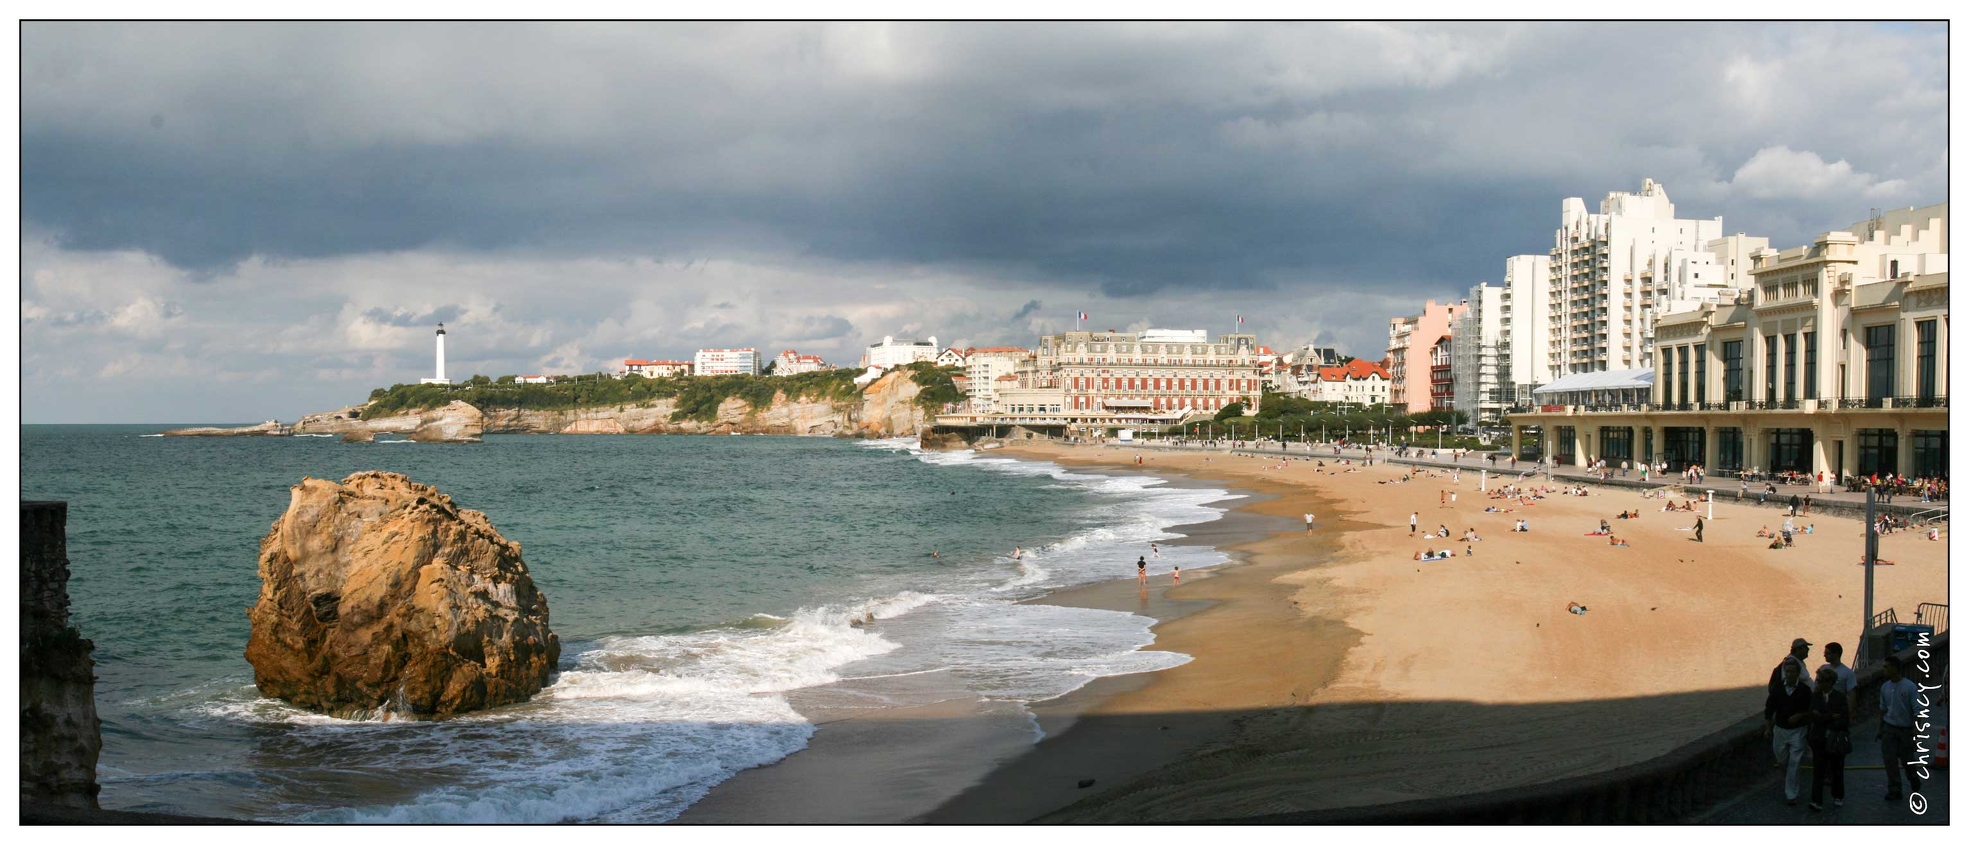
(1026, 310)
(1129, 157)
(822, 328)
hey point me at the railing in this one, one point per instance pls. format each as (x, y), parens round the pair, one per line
(1928, 613)
(1921, 401)
(1885, 617)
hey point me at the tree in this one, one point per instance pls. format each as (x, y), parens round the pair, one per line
(1235, 409)
(507, 379)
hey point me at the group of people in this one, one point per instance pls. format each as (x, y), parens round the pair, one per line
(1815, 711)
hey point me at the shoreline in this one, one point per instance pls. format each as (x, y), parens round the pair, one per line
(901, 764)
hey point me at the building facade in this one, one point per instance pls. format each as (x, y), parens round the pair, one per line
(654, 369)
(896, 352)
(790, 362)
(1356, 382)
(1835, 361)
(1412, 354)
(1154, 370)
(986, 369)
(1480, 358)
(1523, 325)
(727, 362)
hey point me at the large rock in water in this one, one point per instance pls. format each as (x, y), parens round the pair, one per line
(379, 597)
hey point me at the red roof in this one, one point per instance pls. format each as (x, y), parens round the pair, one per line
(1355, 369)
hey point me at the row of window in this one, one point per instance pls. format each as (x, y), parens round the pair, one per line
(1164, 384)
(1787, 449)
(1791, 366)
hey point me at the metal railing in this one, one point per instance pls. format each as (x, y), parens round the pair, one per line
(1929, 613)
(1885, 617)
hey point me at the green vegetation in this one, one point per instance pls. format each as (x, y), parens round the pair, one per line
(1235, 410)
(1290, 415)
(937, 389)
(697, 398)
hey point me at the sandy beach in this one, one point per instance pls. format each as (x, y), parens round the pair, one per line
(1331, 669)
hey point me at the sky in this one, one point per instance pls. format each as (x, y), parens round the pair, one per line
(237, 222)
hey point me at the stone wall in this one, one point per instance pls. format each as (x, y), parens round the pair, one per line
(60, 734)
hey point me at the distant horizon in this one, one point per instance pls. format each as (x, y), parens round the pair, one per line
(263, 220)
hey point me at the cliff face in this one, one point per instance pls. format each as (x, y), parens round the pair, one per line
(457, 422)
(886, 408)
(60, 734)
(378, 596)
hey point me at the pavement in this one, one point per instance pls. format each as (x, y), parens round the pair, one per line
(1866, 789)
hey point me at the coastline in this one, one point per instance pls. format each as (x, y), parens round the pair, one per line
(901, 764)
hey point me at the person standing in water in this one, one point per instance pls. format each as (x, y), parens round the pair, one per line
(1155, 551)
(1177, 575)
(1142, 570)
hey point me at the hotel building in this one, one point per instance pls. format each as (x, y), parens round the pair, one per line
(1480, 358)
(727, 362)
(654, 369)
(1356, 382)
(985, 370)
(1835, 360)
(1154, 370)
(896, 352)
(1522, 321)
(790, 363)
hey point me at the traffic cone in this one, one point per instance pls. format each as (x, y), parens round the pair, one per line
(1941, 748)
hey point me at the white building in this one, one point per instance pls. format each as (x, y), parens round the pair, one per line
(440, 379)
(790, 363)
(984, 370)
(1480, 358)
(1613, 273)
(1356, 382)
(535, 379)
(727, 362)
(653, 369)
(953, 357)
(896, 352)
(1523, 325)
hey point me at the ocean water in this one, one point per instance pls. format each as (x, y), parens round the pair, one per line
(695, 582)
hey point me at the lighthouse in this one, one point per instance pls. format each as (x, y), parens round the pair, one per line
(440, 374)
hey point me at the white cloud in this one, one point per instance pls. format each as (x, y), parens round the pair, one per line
(1783, 173)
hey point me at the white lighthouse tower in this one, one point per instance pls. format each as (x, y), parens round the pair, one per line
(440, 376)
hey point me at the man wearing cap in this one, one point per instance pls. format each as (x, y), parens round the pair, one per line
(1800, 651)
(1787, 712)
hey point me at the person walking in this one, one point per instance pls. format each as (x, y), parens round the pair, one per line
(1411, 522)
(1897, 707)
(1142, 571)
(1309, 522)
(1831, 739)
(1841, 673)
(1787, 710)
(1698, 528)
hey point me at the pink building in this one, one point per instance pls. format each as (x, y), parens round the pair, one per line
(1412, 355)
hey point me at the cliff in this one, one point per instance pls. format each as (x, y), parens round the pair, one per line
(885, 408)
(379, 596)
(60, 733)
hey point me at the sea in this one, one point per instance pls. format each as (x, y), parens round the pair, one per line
(696, 583)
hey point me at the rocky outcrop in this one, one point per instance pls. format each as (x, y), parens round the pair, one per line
(885, 408)
(359, 436)
(381, 597)
(457, 422)
(270, 428)
(60, 733)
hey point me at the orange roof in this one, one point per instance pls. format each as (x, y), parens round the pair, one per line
(1355, 369)
(996, 349)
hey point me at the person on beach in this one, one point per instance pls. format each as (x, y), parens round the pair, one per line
(1309, 522)
(1411, 522)
(1142, 570)
(1787, 709)
(1018, 553)
(1176, 576)
(1698, 529)
(1831, 739)
(1155, 551)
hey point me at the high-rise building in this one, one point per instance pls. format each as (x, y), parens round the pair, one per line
(984, 370)
(1522, 311)
(1480, 358)
(1412, 357)
(1613, 273)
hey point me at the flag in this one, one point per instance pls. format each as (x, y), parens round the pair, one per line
(1083, 315)
(1240, 319)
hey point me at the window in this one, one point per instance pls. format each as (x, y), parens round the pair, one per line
(1563, 449)
(1702, 374)
(1668, 377)
(1770, 368)
(1616, 443)
(1733, 371)
(1681, 446)
(1924, 360)
(1930, 454)
(1682, 376)
(1879, 362)
(1894, 269)
(1791, 366)
(1811, 365)
(1791, 450)
(1879, 451)
(1729, 449)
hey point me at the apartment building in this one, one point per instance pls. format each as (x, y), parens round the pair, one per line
(654, 369)
(790, 362)
(987, 369)
(1522, 321)
(727, 362)
(1357, 382)
(897, 352)
(1480, 358)
(1834, 360)
(1413, 354)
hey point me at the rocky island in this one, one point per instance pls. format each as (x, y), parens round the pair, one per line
(380, 597)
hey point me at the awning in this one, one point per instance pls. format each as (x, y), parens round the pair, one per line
(1603, 380)
(1127, 403)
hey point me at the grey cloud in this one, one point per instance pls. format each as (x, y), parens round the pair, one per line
(1026, 310)
(822, 327)
(406, 319)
